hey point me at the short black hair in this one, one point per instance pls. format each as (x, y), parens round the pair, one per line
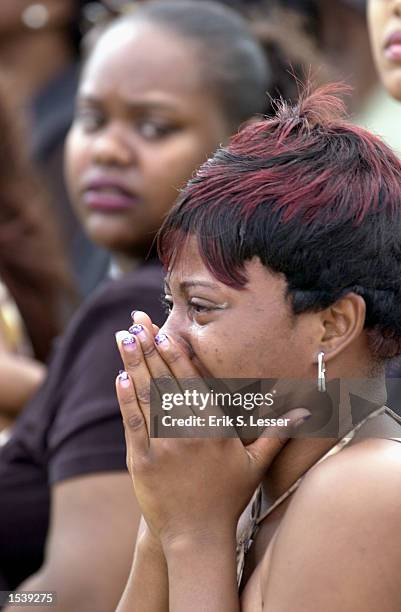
(315, 199)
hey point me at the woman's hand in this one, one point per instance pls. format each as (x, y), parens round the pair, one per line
(192, 488)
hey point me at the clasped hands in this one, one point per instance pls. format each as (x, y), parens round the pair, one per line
(191, 488)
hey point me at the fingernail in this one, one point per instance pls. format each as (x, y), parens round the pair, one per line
(136, 329)
(160, 338)
(133, 314)
(123, 378)
(129, 343)
(120, 335)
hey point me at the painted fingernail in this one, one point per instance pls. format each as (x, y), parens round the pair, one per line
(123, 378)
(129, 343)
(120, 335)
(160, 338)
(136, 329)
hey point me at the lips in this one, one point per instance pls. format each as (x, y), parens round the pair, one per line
(392, 47)
(108, 194)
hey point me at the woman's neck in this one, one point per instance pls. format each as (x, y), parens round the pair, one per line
(356, 399)
(122, 264)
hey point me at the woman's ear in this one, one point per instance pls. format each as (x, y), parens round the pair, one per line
(342, 323)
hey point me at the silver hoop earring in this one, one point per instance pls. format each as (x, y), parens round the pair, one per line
(321, 373)
(35, 16)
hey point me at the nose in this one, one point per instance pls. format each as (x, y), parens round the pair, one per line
(111, 147)
(174, 327)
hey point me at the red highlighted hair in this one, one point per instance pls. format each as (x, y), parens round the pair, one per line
(316, 198)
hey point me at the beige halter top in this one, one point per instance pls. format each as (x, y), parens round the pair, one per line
(246, 536)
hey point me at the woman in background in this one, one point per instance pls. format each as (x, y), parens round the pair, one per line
(39, 57)
(161, 89)
(384, 19)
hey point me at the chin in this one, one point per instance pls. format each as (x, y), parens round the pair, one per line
(112, 241)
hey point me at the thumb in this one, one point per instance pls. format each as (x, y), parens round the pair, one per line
(263, 451)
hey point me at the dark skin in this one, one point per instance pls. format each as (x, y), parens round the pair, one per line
(190, 528)
(143, 125)
(151, 128)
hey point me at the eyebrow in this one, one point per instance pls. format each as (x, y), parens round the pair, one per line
(134, 105)
(186, 284)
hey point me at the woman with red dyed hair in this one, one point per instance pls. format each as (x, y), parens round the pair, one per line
(284, 263)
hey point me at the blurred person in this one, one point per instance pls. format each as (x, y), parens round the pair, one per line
(161, 89)
(384, 20)
(35, 290)
(339, 39)
(39, 56)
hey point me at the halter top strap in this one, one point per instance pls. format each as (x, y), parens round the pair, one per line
(248, 534)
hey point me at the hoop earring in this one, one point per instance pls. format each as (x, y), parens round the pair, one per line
(321, 373)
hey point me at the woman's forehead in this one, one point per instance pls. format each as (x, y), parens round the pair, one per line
(144, 54)
(186, 262)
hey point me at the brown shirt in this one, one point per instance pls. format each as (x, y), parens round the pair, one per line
(73, 425)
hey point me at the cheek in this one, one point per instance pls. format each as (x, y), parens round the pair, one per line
(172, 165)
(221, 353)
(376, 25)
(76, 158)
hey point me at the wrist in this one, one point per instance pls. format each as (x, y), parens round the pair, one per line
(202, 567)
(187, 542)
(149, 543)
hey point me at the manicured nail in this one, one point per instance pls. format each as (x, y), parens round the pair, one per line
(120, 335)
(129, 343)
(160, 338)
(136, 329)
(123, 378)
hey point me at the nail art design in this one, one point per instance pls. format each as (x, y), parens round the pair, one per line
(123, 375)
(128, 341)
(160, 338)
(133, 314)
(136, 329)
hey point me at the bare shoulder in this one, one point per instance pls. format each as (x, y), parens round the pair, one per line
(369, 471)
(338, 545)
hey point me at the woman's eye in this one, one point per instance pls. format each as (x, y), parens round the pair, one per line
(153, 130)
(89, 119)
(199, 308)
